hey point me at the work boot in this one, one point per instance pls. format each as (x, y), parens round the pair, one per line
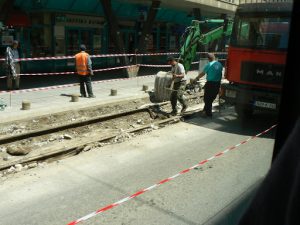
(92, 96)
(203, 114)
(174, 112)
(183, 110)
(9, 83)
(17, 83)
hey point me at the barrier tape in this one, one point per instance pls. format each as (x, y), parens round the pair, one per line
(48, 74)
(65, 73)
(104, 56)
(62, 73)
(148, 65)
(72, 85)
(96, 70)
(92, 56)
(108, 207)
(99, 70)
(115, 68)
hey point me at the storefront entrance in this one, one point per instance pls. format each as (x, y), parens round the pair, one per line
(77, 36)
(90, 37)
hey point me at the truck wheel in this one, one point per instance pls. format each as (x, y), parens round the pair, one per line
(244, 111)
(162, 81)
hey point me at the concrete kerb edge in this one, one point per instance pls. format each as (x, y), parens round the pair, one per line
(40, 157)
(36, 158)
(43, 111)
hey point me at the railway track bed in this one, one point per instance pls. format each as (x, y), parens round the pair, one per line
(53, 142)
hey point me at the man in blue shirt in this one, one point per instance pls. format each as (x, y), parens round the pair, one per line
(213, 71)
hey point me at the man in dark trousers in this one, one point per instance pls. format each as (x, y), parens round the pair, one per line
(84, 71)
(213, 71)
(179, 79)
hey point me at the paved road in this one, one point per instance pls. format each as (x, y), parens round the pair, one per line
(74, 187)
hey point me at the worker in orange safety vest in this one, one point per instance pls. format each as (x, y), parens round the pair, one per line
(84, 71)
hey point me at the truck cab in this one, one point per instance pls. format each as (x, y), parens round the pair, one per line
(256, 57)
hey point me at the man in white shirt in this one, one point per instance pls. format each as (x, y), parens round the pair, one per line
(179, 78)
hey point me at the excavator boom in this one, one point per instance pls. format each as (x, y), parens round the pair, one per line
(193, 37)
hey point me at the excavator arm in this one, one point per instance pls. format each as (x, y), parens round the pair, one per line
(192, 38)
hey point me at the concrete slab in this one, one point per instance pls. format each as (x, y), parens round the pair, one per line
(55, 100)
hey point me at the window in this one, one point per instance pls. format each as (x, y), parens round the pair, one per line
(39, 47)
(258, 32)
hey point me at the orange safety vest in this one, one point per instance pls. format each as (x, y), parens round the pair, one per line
(82, 63)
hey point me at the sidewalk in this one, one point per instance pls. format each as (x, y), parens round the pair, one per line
(55, 99)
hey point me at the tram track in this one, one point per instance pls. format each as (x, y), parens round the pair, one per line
(48, 144)
(73, 147)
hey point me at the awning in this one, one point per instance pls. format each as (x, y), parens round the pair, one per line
(18, 19)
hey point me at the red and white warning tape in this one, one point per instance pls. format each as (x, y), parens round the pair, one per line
(104, 56)
(48, 74)
(106, 208)
(65, 73)
(92, 56)
(156, 54)
(98, 70)
(40, 89)
(115, 68)
(72, 85)
(148, 65)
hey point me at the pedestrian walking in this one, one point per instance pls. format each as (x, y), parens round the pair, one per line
(179, 79)
(213, 70)
(84, 71)
(13, 66)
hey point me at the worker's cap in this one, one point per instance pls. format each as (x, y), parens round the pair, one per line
(15, 42)
(170, 59)
(82, 47)
(211, 56)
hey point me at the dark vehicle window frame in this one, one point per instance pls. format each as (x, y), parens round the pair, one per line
(274, 12)
(290, 97)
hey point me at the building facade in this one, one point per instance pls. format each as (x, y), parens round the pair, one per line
(57, 28)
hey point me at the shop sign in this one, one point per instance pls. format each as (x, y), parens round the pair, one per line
(78, 20)
(60, 19)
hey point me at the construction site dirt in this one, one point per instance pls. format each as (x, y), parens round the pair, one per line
(25, 143)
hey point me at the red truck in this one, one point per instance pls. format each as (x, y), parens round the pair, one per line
(256, 57)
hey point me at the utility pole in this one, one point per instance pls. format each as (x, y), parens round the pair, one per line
(114, 31)
(147, 28)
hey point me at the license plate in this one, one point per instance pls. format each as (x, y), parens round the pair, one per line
(266, 105)
(230, 94)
